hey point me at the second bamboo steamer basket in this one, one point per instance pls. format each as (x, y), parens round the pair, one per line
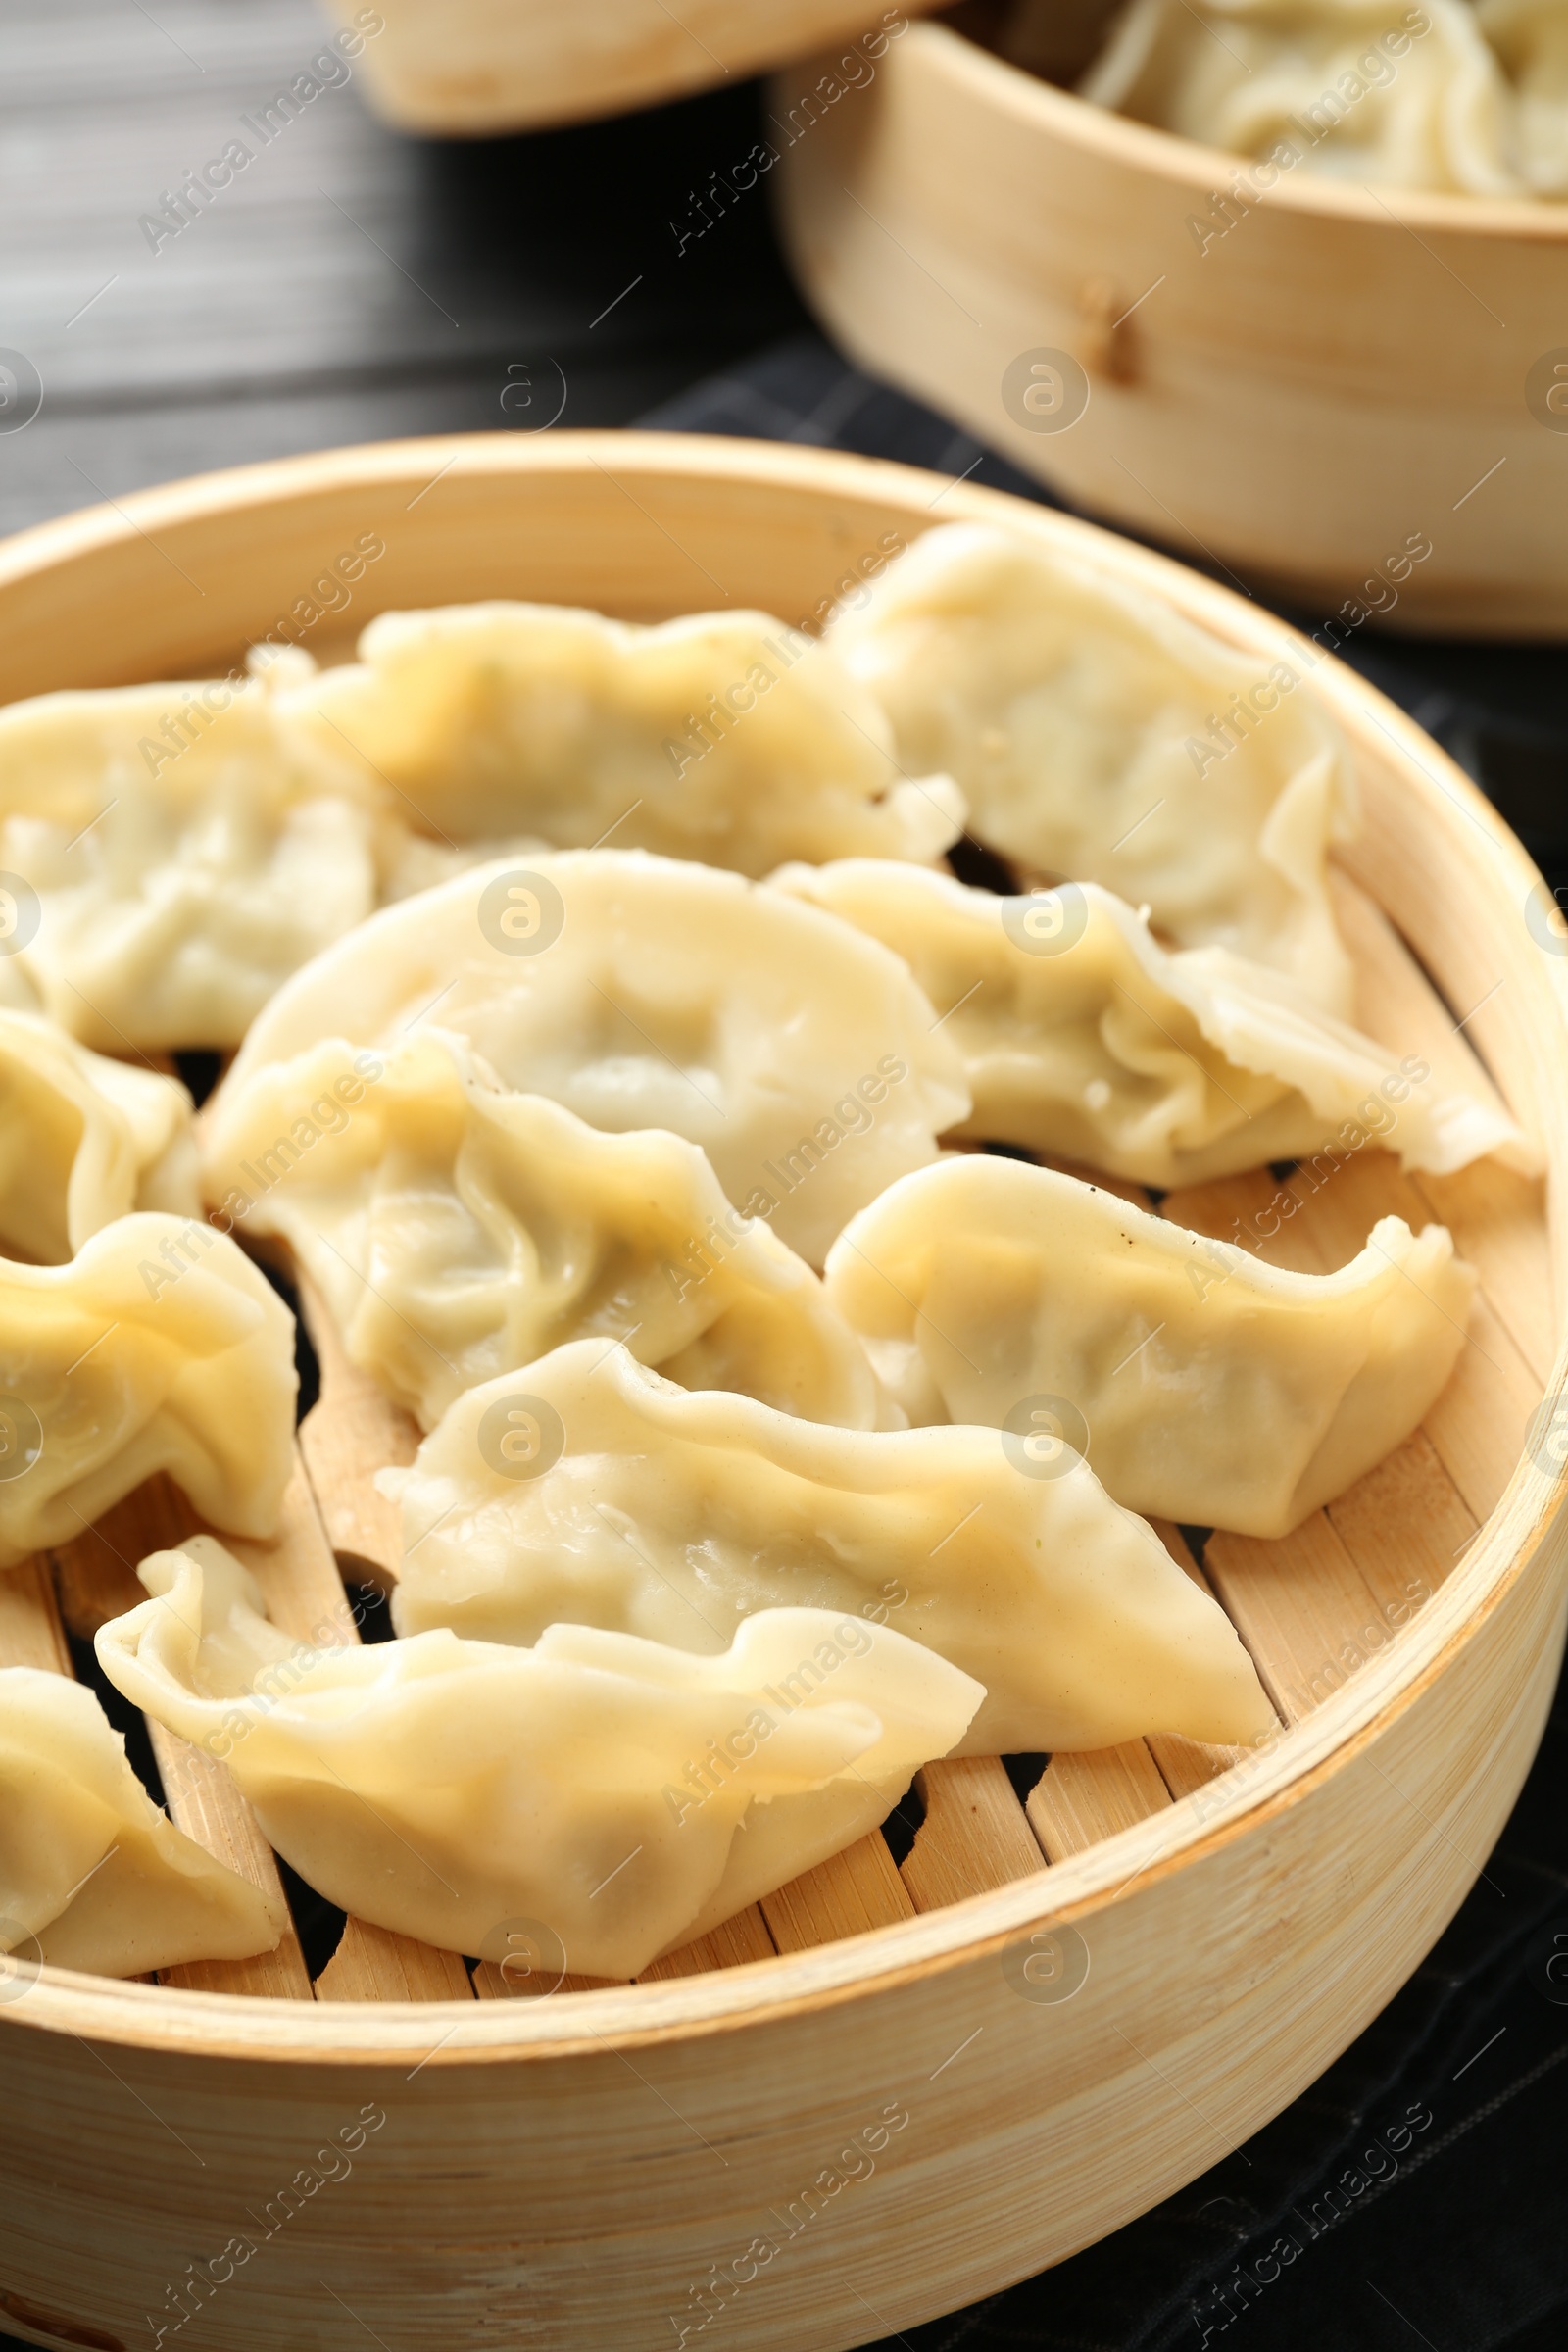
(1341, 369)
(468, 69)
(923, 2092)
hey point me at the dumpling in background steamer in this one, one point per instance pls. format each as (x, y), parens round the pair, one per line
(457, 1231)
(722, 736)
(1530, 37)
(1351, 86)
(1205, 1385)
(82, 1140)
(650, 992)
(160, 1347)
(1085, 1040)
(165, 891)
(1068, 705)
(596, 1784)
(92, 1875)
(668, 1514)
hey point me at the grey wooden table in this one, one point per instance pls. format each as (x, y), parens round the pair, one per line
(349, 284)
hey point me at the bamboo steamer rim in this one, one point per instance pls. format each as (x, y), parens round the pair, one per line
(1187, 164)
(458, 2033)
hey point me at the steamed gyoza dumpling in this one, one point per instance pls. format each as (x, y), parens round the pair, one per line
(160, 1347)
(623, 1795)
(721, 736)
(457, 1230)
(656, 1511)
(1365, 90)
(82, 1140)
(1205, 1385)
(172, 851)
(1530, 38)
(1101, 736)
(648, 992)
(1084, 1038)
(92, 1875)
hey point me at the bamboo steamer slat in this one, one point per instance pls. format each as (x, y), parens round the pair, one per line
(466, 69)
(567, 2171)
(1338, 372)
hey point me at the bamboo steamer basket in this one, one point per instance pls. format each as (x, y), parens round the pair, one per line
(1343, 369)
(891, 2089)
(467, 69)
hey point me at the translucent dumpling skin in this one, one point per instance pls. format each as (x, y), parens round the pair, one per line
(622, 1795)
(92, 1875)
(158, 1347)
(1205, 1385)
(651, 1510)
(651, 992)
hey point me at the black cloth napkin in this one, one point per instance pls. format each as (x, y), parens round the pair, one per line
(1418, 2192)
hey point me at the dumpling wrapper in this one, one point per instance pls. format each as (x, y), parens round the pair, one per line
(1068, 705)
(623, 1795)
(1530, 38)
(92, 1875)
(669, 1514)
(172, 889)
(1205, 1385)
(1317, 75)
(83, 1140)
(648, 992)
(1084, 1038)
(457, 1231)
(160, 1347)
(721, 736)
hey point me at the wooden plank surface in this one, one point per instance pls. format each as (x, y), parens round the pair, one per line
(352, 1431)
(30, 1630)
(975, 1834)
(848, 1893)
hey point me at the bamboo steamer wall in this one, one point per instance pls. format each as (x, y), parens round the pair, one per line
(466, 69)
(566, 2173)
(1338, 370)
